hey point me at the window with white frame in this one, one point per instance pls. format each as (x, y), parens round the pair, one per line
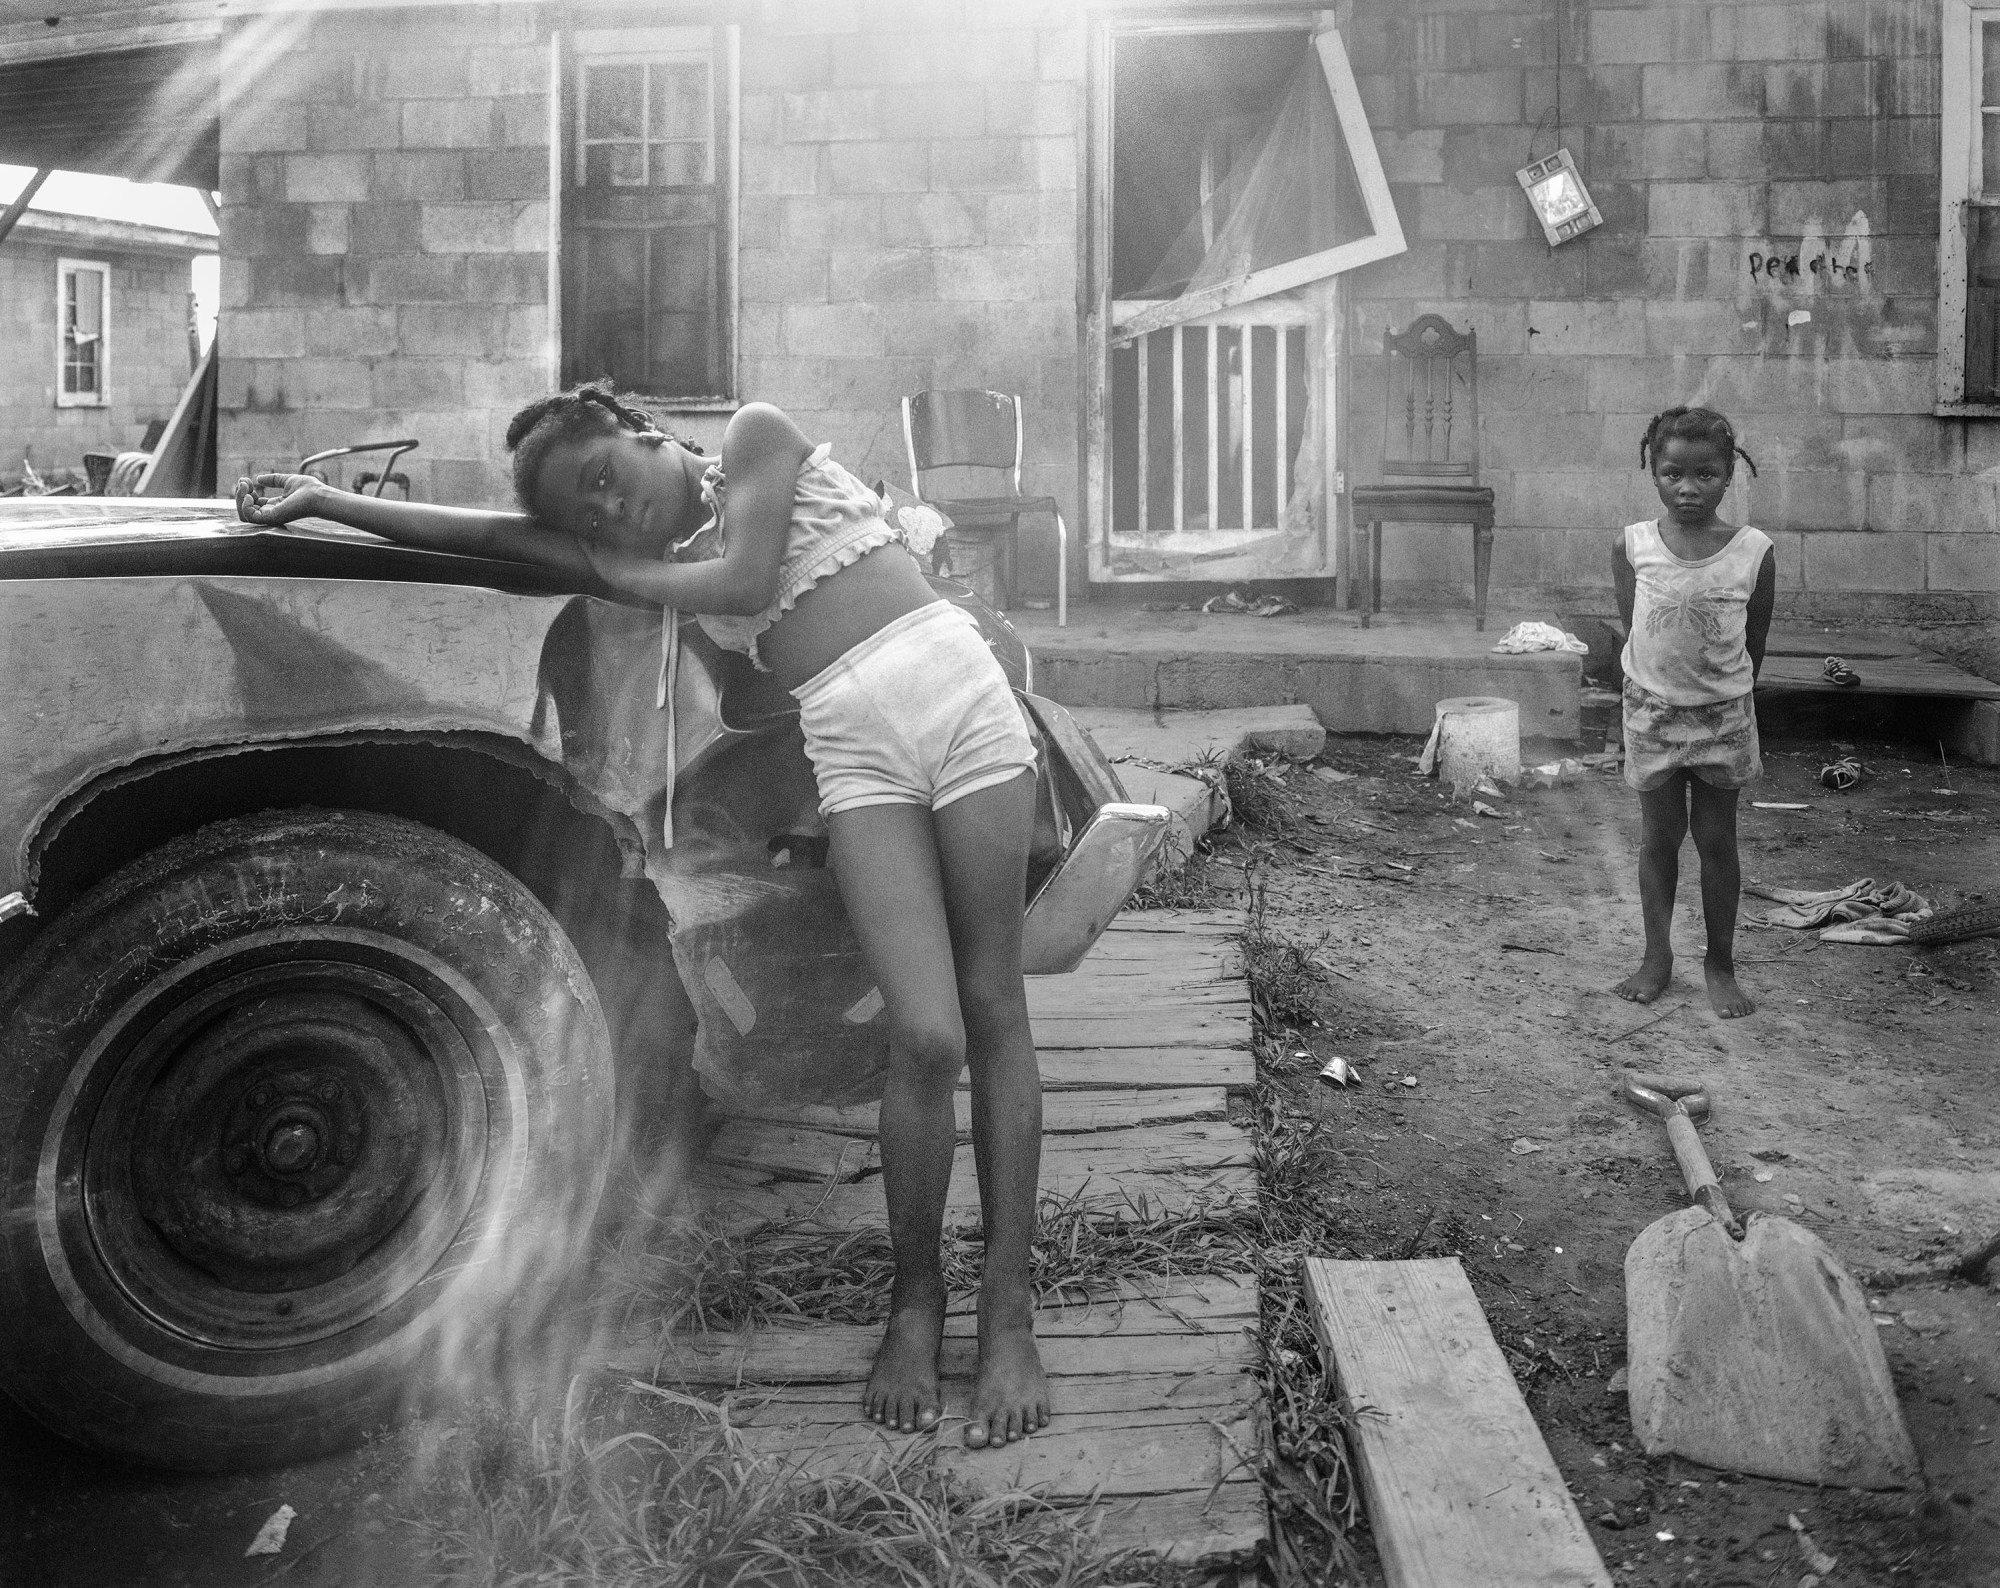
(648, 224)
(83, 322)
(1968, 361)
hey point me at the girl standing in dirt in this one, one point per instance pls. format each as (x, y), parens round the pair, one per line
(926, 781)
(1696, 595)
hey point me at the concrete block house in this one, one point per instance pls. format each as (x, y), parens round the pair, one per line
(1178, 231)
(94, 316)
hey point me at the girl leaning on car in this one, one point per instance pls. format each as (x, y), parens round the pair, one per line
(925, 776)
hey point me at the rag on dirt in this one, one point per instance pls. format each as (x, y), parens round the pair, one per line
(1866, 912)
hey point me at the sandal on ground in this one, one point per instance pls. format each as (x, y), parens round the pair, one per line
(1838, 672)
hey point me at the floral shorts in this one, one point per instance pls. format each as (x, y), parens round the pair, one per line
(1716, 742)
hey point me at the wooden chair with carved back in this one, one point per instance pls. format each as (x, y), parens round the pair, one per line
(1430, 449)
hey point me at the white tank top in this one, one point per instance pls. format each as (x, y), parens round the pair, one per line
(1689, 618)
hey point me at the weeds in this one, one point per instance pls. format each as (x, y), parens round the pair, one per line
(696, 1504)
(693, 1276)
(1308, 1479)
(1288, 986)
(1179, 881)
(1258, 797)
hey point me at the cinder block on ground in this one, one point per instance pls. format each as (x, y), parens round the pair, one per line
(1976, 734)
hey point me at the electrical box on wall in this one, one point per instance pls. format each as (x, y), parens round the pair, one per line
(1558, 197)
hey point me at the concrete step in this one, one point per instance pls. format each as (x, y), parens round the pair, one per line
(1146, 747)
(1386, 678)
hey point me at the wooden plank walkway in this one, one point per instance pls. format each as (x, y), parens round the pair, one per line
(1152, 1393)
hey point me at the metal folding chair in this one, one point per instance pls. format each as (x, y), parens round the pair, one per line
(981, 429)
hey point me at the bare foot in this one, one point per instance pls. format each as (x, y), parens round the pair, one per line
(1724, 996)
(902, 1390)
(1649, 980)
(1011, 1399)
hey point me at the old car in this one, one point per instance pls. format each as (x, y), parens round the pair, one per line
(343, 953)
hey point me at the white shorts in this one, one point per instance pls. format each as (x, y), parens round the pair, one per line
(919, 713)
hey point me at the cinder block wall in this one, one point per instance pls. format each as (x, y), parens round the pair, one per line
(910, 196)
(148, 351)
(908, 219)
(384, 239)
(1716, 139)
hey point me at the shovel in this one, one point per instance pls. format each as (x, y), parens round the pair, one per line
(1752, 1349)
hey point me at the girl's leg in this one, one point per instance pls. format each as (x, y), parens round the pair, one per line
(1664, 816)
(1714, 821)
(886, 859)
(983, 845)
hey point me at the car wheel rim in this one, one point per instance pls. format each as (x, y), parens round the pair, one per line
(279, 1143)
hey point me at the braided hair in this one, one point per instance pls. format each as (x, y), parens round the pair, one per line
(592, 408)
(1691, 424)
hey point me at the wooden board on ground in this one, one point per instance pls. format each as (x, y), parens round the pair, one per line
(1231, 1066)
(1880, 675)
(1151, 1384)
(1459, 1483)
(1115, 1180)
(1062, 1112)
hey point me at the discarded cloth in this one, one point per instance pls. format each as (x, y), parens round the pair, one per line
(1867, 912)
(1251, 604)
(1540, 637)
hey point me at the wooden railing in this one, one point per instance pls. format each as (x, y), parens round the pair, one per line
(1214, 413)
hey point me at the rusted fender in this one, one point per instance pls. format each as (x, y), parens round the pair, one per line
(105, 674)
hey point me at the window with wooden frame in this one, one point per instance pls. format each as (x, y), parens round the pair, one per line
(1968, 353)
(83, 322)
(648, 212)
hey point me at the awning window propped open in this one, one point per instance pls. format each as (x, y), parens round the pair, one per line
(1297, 200)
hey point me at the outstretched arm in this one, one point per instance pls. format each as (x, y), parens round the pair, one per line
(1757, 616)
(469, 531)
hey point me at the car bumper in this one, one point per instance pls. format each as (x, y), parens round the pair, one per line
(1111, 841)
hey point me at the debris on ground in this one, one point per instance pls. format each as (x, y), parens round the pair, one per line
(1524, 637)
(1817, 1558)
(270, 1537)
(1250, 604)
(1864, 912)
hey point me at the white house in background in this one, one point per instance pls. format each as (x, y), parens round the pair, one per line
(95, 318)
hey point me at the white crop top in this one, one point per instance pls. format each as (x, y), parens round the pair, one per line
(836, 520)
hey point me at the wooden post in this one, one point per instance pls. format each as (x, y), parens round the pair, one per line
(20, 205)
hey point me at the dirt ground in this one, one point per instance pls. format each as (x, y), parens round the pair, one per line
(1471, 986)
(1473, 956)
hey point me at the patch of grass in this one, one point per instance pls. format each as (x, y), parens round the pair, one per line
(669, 1494)
(1258, 796)
(1179, 881)
(692, 1276)
(1288, 987)
(1309, 1481)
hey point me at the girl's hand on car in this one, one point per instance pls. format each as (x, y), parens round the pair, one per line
(297, 497)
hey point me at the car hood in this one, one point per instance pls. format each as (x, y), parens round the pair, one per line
(81, 537)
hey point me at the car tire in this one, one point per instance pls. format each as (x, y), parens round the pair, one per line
(304, 1118)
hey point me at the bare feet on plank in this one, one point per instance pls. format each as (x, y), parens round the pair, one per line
(1011, 1398)
(902, 1390)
